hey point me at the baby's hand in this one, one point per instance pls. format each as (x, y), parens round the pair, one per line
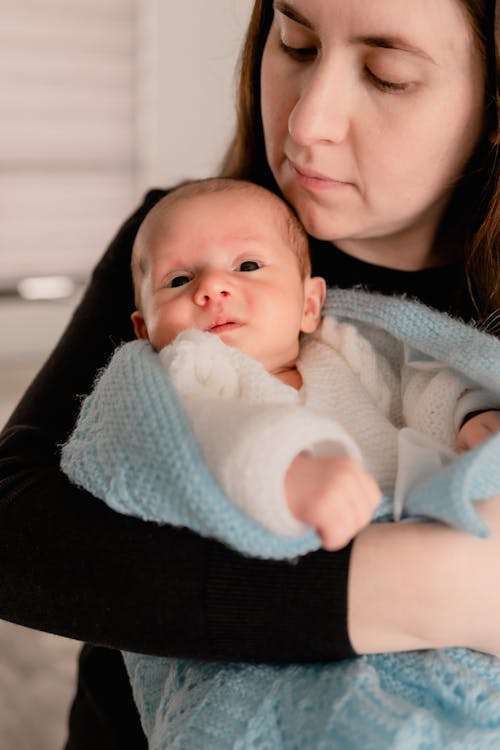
(334, 495)
(477, 429)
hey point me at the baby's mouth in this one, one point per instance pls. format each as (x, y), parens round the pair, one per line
(219, 325)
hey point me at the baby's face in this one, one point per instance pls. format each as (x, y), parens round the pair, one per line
(221, 263)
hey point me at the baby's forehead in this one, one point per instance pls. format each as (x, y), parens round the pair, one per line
(184, 201)
(194, 214)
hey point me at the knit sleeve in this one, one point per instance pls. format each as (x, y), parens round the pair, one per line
(249, 427)
(252, 460)
(437, 398)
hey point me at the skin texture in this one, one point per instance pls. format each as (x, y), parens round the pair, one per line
(422, 585)
(478, 429)
(371, 112)
(221, 262)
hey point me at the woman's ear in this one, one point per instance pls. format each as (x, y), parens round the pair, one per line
(140, 330)
(314, 297)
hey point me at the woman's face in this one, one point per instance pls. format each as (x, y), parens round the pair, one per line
(371, 111)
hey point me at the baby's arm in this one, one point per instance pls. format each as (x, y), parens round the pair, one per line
(284, 465)
(334, 495)
(477, 429)
(437, 401)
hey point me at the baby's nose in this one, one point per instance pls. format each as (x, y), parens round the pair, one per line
(211, 287)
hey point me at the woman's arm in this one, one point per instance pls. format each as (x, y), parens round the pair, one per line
(73, 567)
(423, 585)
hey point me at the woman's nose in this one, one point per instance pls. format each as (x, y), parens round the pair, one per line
(211, 287)
(322, 112)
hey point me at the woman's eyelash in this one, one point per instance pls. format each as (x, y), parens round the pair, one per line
(298, 53)
(386, 85)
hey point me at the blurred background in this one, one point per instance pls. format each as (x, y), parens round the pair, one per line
(98, 102)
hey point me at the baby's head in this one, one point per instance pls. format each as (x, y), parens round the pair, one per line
(228, 257)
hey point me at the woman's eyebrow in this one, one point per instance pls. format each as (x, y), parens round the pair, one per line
(393, 42)
(379, 41)
(293, 14)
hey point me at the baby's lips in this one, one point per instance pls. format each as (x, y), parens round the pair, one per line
(222, 321)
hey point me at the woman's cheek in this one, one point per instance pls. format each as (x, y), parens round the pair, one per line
(274, 90)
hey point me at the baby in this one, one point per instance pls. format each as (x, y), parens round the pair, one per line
(230, 260)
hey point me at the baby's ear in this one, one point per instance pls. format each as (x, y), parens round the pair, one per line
(140, 330)
(314, 296)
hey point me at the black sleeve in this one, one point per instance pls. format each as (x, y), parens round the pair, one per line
(73, 567)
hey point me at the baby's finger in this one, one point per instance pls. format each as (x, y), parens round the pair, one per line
(473, 433)
(341, 522)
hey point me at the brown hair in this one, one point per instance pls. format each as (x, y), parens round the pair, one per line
(476, 198)
(291, 226)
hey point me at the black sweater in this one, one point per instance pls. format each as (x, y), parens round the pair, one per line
(73, 567)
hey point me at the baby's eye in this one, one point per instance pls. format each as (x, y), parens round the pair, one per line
(179, 280)
(248, 265)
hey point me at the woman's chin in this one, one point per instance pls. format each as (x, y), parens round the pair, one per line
(321, 227)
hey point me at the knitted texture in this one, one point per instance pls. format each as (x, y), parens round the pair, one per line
(132, 436)
(435, 335)
(436, 420)
(428, 700)
(347, 379)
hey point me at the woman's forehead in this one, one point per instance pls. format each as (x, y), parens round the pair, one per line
(383, 14)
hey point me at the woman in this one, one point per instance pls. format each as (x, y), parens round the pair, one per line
(380, 126)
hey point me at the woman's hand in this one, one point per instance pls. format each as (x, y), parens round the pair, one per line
(334, 495)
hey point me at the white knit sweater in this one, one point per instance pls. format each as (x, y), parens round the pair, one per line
(383, 404)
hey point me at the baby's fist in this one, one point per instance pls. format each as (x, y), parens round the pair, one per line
(477, 429)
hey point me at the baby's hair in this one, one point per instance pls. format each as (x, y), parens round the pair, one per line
(297, 237)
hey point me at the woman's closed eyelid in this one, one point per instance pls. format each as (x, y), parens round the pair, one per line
(385, 85)
(298, 53)
(388, 71)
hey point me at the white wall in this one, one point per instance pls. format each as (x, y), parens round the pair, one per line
(190, 81)
(188, 56)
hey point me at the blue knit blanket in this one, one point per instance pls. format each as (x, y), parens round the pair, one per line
(133, 448)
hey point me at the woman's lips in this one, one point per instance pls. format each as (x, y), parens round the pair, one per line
(314, 180)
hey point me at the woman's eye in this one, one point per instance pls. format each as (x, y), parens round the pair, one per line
(299, 53)
(248, 265)
(388, 86)
(179, 281)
